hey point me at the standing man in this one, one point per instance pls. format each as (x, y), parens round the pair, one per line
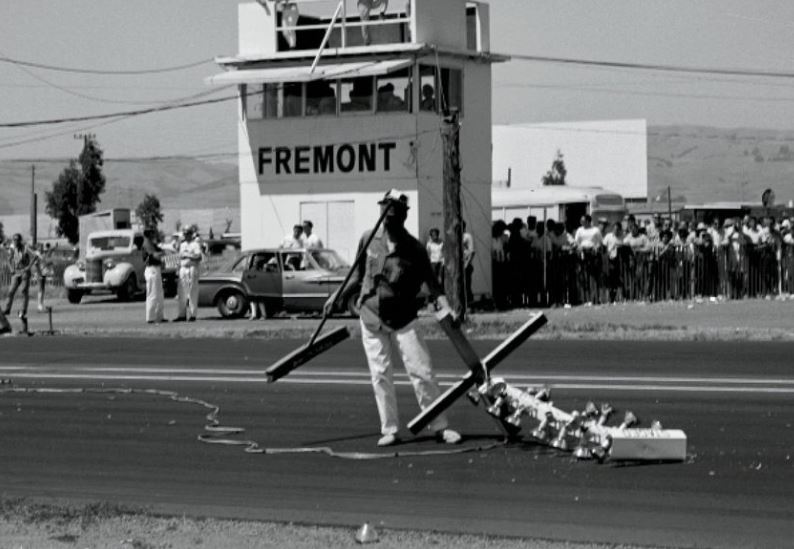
(435, 252)
(21, 260)
(153, 274)
(189, 260)
(293, 241)
(45, 270)
(468, 263)
(310, 240)
(394, 268)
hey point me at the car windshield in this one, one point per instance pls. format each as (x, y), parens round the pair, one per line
(106, 243)
(329, 260)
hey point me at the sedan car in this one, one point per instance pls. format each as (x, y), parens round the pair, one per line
(291, 280)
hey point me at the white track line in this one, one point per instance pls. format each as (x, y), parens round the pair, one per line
(320, 381)
(512, 376)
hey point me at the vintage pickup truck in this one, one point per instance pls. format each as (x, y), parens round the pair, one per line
(114, 263)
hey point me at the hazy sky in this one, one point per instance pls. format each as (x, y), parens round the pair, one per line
(137, 34)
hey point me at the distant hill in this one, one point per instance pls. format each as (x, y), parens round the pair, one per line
(179, 183)
(699, 164)
(715, 164)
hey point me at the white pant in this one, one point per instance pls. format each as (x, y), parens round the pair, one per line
(383, 349)
(188, 292)
(154, 293)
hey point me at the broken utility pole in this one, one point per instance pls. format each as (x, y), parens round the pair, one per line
(454, 281)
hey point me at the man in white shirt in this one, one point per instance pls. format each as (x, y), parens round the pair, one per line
(310, 239)
(293, 241)
(468, 263)
(189, 259)
(435, 251)
(587, 237)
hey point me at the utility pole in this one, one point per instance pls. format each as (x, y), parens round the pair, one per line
(33, 207)
(454, 280)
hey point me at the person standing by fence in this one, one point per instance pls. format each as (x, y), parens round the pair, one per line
(613, 242)
(588, 241)
(435, 251)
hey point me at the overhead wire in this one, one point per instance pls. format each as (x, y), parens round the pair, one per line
(650, 66)
(106, 72)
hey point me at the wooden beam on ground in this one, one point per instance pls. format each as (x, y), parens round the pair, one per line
(477, 370)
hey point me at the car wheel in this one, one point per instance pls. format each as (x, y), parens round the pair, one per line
(352, 304)
(128, 289)
(232, 304)
(74, 296)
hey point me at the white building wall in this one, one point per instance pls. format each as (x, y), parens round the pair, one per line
(612, 154)
(271, 201)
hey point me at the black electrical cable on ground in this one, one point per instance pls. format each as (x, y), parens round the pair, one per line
(215, 433)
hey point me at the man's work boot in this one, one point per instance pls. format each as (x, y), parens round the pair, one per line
(448, 436)
(388, 440)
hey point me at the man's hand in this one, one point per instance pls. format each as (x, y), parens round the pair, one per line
(442, 305)
(329, 304)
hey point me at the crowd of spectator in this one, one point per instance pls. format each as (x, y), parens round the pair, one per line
(543, 264)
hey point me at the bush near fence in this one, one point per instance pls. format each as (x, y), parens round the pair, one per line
(676, 273)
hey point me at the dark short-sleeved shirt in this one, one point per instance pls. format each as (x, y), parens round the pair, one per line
(152, 254)
(391, 280)
(20, 260)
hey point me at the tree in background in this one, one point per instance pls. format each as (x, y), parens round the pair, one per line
(2, 234)
(149, 213)
(76, 191)
(556, 175)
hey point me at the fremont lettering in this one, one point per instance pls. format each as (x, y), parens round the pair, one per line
(324, 159)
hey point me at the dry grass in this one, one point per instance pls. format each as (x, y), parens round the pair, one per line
(99, 525)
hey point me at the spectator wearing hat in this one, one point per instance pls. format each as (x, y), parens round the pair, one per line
(394, 271)
(190, 255)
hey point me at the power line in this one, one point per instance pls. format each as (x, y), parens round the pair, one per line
(650, 66)
(623, 91)
(35, 65)
(137, 112)
(70, 91)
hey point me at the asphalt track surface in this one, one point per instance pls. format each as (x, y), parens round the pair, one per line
(734, 400)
